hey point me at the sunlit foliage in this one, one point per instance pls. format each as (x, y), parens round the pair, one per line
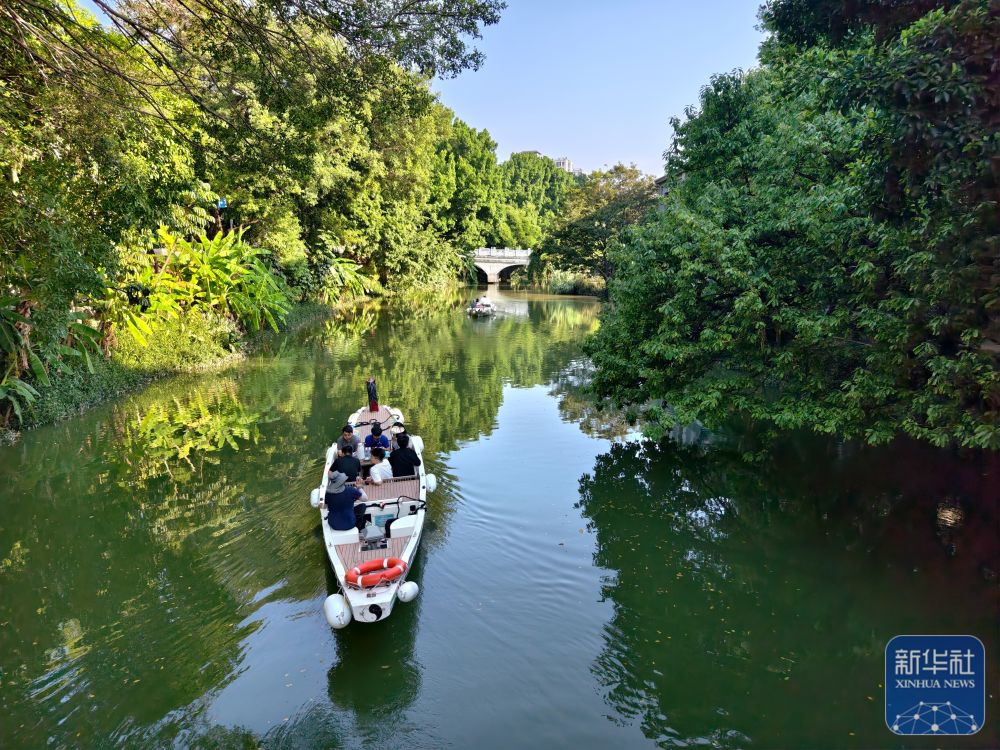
(827, 254)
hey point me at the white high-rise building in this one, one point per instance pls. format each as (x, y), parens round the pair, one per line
(564, 163)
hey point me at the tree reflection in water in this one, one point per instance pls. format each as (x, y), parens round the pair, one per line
(170, 531)
(183, 434)
(427, 355)
(753, 602)
(596, 417)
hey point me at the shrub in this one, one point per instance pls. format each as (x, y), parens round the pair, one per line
(186, 342)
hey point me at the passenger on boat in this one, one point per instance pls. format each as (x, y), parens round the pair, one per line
(394, 436)
(404, 460)
(347, 437)
(347, 463)
(381, 469)
(376, 439)
(339, 500)
(372, 394)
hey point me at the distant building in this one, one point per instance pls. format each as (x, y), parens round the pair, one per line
(563, 162)
(660, 186)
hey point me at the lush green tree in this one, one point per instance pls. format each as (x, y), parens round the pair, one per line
(535, 183)
(82, 177)
(328, 168)
(340, 172)
(826, 254)
(475, 207)
(51, 38)
(595, 216)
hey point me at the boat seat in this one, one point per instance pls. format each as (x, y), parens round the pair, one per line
(348, 536)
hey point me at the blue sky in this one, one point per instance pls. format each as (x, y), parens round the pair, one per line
(599, 80)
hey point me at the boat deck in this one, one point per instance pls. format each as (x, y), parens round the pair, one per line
(390, 489)
(384, 417)
(351, 554)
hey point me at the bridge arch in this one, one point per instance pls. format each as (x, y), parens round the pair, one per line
(494, 262)
(501, 276)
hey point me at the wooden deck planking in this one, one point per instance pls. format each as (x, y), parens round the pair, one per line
(351, 554)
(383, 415)
(393, 488)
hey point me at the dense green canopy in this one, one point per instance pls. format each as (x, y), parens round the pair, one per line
(316, 145)
(828, 252)
(596, 214)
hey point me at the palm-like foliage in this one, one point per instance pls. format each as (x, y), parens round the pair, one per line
(20, 356)
(227, 275)
(346, 275)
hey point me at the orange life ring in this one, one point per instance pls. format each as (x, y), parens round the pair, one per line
(374, 572)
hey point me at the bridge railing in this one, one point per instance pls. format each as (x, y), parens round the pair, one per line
(502, 252)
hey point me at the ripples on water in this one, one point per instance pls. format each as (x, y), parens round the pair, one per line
(163, 574)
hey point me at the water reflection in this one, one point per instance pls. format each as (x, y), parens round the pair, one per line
(595, 417)
(752, 602)
(154, 554)
(156, 599)
(376, 674)
(431, 355)
(183, 434)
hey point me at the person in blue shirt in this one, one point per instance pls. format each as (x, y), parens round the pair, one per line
(339, 501)
(376, 439)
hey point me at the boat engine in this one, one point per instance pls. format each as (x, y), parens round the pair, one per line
(372, 537)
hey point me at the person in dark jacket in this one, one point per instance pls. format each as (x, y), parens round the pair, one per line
(404, 460)
(347, 463)
(339, 501)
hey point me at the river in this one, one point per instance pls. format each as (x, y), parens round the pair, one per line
(162, 573)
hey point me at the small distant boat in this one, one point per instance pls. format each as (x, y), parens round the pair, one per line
(481, 307)
(371, 565)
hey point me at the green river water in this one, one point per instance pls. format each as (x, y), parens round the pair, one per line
(162, 574)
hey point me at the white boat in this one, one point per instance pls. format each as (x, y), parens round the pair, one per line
(481, 307)
(367, 563)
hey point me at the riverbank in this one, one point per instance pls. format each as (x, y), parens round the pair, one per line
(559, 282)
(193, 343)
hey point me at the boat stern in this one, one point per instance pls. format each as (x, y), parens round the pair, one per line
(372, 605)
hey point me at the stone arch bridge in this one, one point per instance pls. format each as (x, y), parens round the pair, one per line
(494, 261)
